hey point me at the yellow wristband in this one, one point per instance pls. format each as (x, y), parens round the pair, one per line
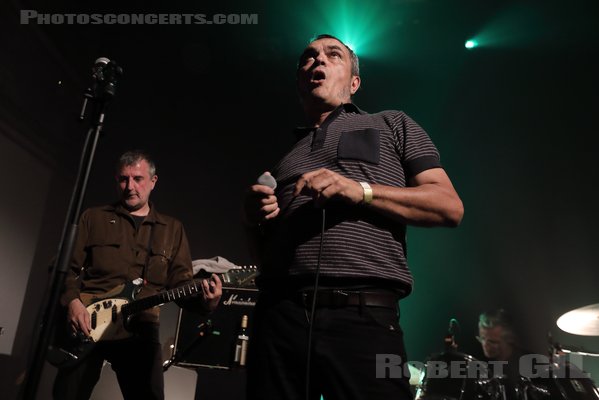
(367, 192)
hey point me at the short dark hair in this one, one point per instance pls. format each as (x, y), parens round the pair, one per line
(355, 62)
(132, 156)
(499, 317)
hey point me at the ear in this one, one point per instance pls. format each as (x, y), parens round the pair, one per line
(355, 84)
(153, 180)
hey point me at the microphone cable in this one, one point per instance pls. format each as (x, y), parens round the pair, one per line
(313, 306)
(268, 180)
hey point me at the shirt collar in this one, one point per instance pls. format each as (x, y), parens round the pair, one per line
(152, 217)
(302, 131)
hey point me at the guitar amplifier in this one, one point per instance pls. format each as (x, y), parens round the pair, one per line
(216, 349)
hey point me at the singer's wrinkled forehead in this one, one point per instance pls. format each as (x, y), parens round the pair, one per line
(327, 44)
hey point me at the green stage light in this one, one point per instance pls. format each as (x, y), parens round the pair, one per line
(518, 25)
(470, 44)
(350, 45)
(362, 27)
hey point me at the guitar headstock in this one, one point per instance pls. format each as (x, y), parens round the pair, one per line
(242, 276)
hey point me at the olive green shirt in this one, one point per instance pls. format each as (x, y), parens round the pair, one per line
(110, 251)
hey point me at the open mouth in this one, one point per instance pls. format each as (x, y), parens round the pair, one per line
(318, 76)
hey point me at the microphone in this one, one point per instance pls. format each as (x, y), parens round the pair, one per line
(101, 62)
(267, 179)
(106, 70)
(105, 74)
(454, 327)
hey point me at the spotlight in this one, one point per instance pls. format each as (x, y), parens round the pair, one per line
(470, 44)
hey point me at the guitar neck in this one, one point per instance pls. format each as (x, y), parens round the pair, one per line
(238, 277)
(167, 296)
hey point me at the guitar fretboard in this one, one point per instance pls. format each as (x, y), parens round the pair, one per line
(178, 293)
(238, 277)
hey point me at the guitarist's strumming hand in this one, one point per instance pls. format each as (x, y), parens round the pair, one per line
(78, 317)
(212, 290)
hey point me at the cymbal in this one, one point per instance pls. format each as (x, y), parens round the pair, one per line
(578, 350)
(581, 321)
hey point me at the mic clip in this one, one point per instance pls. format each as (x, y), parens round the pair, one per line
(106, 74)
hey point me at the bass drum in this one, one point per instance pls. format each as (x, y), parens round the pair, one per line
(455, 376)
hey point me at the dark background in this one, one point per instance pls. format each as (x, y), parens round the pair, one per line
(516, 124)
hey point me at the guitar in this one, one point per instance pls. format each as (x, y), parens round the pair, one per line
(110, 314)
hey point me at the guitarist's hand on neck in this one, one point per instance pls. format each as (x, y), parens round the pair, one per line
(78, 317)
(212, 290)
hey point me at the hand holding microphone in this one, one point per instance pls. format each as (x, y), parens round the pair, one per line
(266, 179)
(261, 203)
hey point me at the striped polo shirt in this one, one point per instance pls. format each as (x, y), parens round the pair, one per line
(385, 148)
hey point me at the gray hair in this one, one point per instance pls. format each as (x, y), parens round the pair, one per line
(499, 317)
(133, 156)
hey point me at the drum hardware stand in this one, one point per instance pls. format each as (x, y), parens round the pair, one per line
(452, 346)
(205, 329)
(500, 387)
(526, 386)
(557, 356)
(492, 387)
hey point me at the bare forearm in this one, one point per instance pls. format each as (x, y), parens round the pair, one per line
(429, 199)
(425, 205)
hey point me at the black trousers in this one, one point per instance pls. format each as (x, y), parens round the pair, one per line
(345, 344)
(137, 362)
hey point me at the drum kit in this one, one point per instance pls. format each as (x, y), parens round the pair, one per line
(452, 375)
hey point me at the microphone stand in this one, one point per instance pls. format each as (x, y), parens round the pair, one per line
(201, 335)
(449, 339)
(103, 90)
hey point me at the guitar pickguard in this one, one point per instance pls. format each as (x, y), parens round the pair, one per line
(107, 320)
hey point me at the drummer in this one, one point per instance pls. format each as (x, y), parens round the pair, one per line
(500, 344)
(497, 336)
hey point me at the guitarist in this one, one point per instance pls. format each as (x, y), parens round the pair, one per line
(117, 244)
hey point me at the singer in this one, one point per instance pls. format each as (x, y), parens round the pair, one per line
(365, 177)
(116, 244)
